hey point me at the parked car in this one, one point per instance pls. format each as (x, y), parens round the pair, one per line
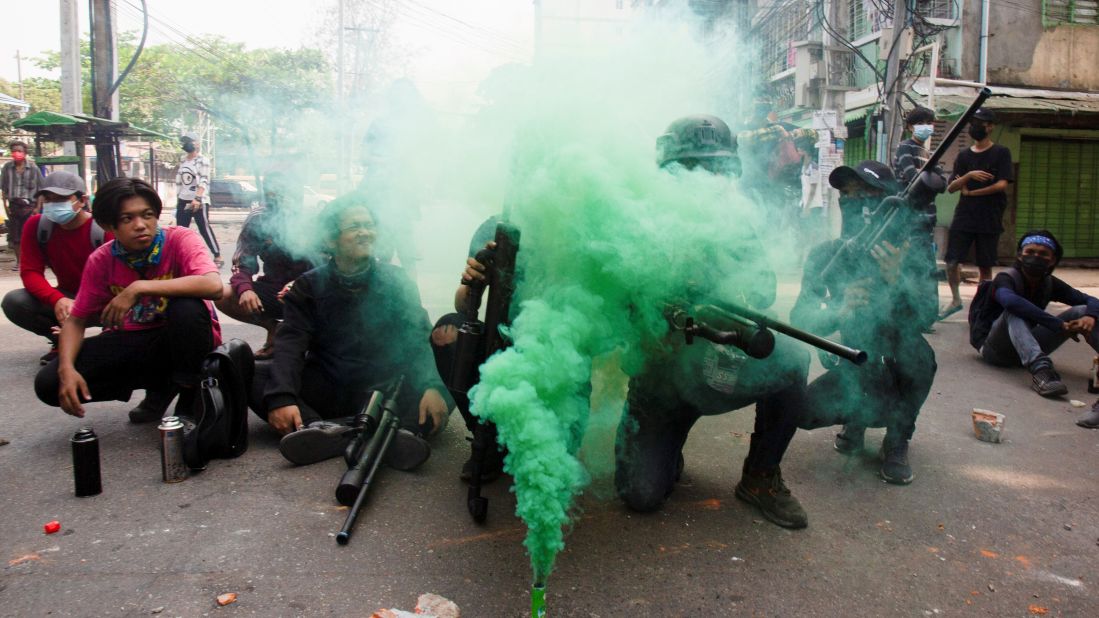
(314, 199)
(233, 194)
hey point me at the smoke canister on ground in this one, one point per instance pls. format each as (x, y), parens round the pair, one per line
(1093, 377)
(171, 450)
(86, 475)
(538, 601)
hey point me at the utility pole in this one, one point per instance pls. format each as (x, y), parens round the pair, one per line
(892, 124)
(341, 102)
(19, 74)
(72, 99)
(104, 103)
(828, 121)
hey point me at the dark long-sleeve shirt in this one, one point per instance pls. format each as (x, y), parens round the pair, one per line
(1030, 304)
(357, 336)
(259, 240)
(892, 313)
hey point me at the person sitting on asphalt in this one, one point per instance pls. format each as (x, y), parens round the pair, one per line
(252, 299)
(1024, 333)
(350, 325)
(61, 239)
(151, 288)
(876, 303)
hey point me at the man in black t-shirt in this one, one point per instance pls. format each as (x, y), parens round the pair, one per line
(982, 173)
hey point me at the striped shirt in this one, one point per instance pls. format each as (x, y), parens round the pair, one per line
(192, 174)
(16, 184)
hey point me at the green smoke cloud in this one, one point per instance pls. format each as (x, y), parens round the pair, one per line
(607, 239)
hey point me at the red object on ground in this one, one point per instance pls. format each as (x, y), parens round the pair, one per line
(52, 527)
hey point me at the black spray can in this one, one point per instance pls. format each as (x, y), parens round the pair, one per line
(86, 463)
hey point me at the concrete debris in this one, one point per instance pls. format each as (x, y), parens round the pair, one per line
(988, 425)
(427, 606)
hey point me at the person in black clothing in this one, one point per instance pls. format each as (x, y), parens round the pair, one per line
(909, 159)
(350, 325)
(445, 333)
(875, 305)
(679, 383)
(1024, 333)
(982, 173)
(254, 299)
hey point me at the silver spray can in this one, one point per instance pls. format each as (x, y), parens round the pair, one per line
(171, 450)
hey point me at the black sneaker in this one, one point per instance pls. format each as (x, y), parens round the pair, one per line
(1047, 382)
(850, 440)
(1090, 419)
(894, 462)
(48, 356)
(769, 494)
(407, 451)
(319, 441)
(153, 406)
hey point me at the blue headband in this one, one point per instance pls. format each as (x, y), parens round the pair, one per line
(1039, 240)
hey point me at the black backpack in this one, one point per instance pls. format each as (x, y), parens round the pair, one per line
(984, 309)
(220, 427)
(45, 230)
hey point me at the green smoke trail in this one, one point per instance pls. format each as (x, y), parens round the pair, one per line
(607, 238)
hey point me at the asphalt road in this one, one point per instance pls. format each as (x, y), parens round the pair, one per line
(1007, 529)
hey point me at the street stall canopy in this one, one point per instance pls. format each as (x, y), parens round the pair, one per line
(81, 129)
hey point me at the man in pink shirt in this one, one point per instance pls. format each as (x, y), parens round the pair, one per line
(61, 239)
(151, 288)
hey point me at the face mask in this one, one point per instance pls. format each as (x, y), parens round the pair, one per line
(923, 131)
(978, 131)
(18, 157)
(1034, 266)
(853, 214)
(58, 212)
(188, 147)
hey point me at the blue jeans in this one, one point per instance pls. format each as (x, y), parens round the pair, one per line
(1014, 341)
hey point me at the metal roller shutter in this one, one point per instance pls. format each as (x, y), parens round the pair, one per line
(1058, 189)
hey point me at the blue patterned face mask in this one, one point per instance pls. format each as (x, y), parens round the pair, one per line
(923, 131)
(138, 260)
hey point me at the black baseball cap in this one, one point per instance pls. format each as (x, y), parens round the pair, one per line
(873, 173)
(985, 115)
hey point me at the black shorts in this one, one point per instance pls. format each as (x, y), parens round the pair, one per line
(268, 295)
(958, 243)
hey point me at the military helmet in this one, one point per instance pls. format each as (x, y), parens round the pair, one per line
(695, 137)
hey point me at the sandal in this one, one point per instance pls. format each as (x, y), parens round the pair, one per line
(949, 311)
(265, 353)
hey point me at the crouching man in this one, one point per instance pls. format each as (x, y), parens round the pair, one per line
(349, 326)
(151, 287)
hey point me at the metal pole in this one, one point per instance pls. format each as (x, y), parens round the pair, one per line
(19, 74)
(72, 101)
(982, 70)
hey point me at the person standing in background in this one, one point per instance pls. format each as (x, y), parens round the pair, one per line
(192, 182)
(911, 155)
(19, 183)
(982, 173)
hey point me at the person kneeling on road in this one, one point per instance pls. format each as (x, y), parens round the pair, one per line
(152, 288)
(1019, 329)
(877, 303)
(350, 325)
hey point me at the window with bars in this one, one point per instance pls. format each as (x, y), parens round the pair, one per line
(1059, 12)
(866, 17)
(938, 9)
(780, 27)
